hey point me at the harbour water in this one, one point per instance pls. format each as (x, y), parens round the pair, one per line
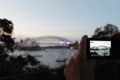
(53, 58)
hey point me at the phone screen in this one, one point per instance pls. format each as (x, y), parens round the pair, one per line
(99, 48)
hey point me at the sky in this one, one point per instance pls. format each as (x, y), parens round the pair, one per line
(100, 43)
(66, 18)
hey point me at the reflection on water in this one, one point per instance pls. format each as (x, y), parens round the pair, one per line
(101, 52)
(49, 56)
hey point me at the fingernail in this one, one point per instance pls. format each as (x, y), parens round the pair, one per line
(85, 36)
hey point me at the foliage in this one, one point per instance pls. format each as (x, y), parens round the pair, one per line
(10, 65)
(6, 41)
(106, 31)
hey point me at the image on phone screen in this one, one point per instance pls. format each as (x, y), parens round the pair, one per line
(100, 48)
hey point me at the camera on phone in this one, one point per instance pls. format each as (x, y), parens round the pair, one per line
(103, 48)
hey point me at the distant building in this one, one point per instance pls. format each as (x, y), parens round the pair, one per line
(27, 43)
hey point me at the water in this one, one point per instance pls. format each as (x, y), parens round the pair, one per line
(102, 52)
(49, 56)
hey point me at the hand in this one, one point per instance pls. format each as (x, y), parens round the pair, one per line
(78, 67)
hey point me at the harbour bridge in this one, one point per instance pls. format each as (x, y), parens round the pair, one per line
(52, 41)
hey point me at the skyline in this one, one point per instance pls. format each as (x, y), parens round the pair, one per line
(66, 18)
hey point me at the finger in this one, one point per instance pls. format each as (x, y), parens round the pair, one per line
(115, 35)
(67, 73)
(72, 72)
(71, 61)
(82, 48)
(68, 65)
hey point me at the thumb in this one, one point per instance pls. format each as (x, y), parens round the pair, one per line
(82, 48)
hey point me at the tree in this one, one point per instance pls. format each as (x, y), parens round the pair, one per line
(105, 31)
(6, 44)
(6, 29)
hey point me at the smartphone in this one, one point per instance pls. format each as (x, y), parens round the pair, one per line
(99, 48)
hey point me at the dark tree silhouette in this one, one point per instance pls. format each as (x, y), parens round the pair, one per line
(6, 44)
(32, 60)
(6, 29)
(106, 31)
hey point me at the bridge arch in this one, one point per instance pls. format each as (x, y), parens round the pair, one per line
(52, 41)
